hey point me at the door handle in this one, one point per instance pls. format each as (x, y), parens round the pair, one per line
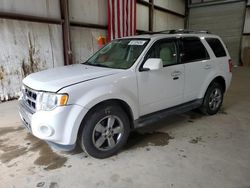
(176, 73)
(207, 66)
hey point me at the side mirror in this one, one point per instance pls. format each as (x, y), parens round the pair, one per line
(152, 64)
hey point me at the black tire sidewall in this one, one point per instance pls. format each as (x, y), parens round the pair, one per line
(205, 107)
(89, 125)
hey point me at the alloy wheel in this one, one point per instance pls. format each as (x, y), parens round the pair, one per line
(107, 133)
(215, 99)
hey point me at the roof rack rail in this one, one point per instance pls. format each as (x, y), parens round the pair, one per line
(189, 31)
(178, 31)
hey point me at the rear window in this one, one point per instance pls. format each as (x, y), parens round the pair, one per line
(217, 47)
(193, 50)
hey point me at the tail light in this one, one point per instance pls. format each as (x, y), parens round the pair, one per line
(230, 65)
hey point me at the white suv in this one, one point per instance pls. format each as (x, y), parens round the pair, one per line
(129, 83)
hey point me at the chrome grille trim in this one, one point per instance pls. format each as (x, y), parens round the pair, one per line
(30, 98)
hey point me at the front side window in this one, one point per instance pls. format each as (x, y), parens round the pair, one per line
(192, 50)
(166, 50)
(118, 54)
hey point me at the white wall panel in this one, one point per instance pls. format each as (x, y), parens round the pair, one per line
(142, 17)
(43, 8)
(84, 42)
(89, 11)
(165, 21)
(174, 5)
(26, 47)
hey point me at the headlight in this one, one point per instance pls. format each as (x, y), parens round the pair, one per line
(49, 101)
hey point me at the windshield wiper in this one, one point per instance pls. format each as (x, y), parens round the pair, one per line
(100, 65)
(97, 65)
(86, 63)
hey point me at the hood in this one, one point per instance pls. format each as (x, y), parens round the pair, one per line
(54, 79)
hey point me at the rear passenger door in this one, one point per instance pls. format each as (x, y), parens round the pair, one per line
(196, 62)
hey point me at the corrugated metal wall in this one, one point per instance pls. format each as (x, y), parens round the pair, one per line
(225, 20)
(176, 5)
(142, 17)
(89, 11)
(162, 20)
(84, 40)
(27, 47)
(43, 8)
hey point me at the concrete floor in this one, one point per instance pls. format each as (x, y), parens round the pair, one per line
(188, 150)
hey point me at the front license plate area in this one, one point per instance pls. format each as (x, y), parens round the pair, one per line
(26, 118)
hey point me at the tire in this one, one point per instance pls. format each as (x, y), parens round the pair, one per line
(213, 99)
(105, 131)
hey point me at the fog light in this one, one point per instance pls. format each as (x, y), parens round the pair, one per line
(46, 130)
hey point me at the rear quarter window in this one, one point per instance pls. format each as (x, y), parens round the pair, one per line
(216, 46)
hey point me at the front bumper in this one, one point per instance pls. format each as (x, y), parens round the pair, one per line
(59, 126)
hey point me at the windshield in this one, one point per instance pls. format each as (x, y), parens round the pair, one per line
(118, 54)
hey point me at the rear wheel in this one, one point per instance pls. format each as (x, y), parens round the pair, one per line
(105, 131)
(213, 99)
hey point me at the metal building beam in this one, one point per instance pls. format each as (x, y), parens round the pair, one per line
(64, 6)
(22, 17)
(37, 19)
(186, 19)
(88, 25)
(218, 2)
(169, 11)
(143, 2)
(151, 16)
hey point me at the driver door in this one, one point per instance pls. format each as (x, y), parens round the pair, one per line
(161, 89)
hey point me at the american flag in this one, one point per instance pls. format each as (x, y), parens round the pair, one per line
(121, 18)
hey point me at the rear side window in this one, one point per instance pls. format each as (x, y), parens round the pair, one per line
(192, 50)
(217, 47)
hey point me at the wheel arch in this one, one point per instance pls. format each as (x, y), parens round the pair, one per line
(219, 79)
(124, 105)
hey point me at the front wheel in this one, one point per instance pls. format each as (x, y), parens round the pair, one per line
(105, 131)
(213, 99)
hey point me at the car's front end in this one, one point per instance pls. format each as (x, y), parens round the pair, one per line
(48, 116)
(49, 112)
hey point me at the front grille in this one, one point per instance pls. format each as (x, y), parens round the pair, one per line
(30, 97)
